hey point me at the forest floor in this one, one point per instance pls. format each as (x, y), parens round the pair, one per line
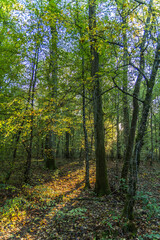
(55, 205)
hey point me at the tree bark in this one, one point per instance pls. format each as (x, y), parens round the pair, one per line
(49, 152)
(118, 133)
(131, 138)
(134, 165)
(52, 78)
(87, 184)
(126, 123)
(102, 185)
(67, 152)
(33, 83)
(151, 126)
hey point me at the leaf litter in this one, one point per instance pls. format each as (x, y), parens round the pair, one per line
(56, 205)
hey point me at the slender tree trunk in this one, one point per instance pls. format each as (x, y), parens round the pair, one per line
(67, 152)
(33, 83)
(134, 165)
(151, 126)
(131, 138)
(52, 79)
(49, 152)
(156, 140)
(58, 148)
(102, 185)
(29, 100)
(118, 133)
(159, 142)
(42, 149)
(125, 84)
(87, 184)
(159, 133)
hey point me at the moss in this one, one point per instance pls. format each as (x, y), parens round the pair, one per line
(128, 208)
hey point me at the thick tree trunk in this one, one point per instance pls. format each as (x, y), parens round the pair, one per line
(102, 185)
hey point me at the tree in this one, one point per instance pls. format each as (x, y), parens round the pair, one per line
(102, 185)
(129, 149)
(50, 142)
(134, 165)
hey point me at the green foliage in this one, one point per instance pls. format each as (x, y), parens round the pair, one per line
(13, 207)
(153, 236)
(150, 204)
(75, 213)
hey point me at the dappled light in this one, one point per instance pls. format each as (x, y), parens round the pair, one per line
(60, 207)
(79, 119)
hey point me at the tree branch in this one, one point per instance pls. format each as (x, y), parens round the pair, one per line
(126, 92)
(140, 71)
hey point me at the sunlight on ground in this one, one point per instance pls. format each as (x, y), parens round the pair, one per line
(53, 195)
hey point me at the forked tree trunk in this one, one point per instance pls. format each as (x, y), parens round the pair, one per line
(134, 165)
(131, 138)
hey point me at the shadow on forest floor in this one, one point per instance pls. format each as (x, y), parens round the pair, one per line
(55, 205)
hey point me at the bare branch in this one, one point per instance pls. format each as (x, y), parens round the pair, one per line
(125, 91)
(139, 1)
(140, 71)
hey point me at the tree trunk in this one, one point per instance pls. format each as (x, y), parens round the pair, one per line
(151, 125)
(134, 165)
(87, 184)
(67, 152)
(49, 152)
(159, 136)
(118, 133)
(131, 138)
(156, 140)
(33, 83)
(52, 79)
(58, 148)
(102, 185)
(125, 84)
